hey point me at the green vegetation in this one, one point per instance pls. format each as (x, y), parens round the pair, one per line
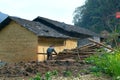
(98, 15)
(67, 73)
(37, 77)
(113, 39)
(106, 62)
(48, 75)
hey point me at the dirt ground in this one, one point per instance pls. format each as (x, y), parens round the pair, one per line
(83, 77)
(68, 60)
(24, 71)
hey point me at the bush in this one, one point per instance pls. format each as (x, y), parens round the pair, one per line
(105, 62)
(55, 72)
(48, 76)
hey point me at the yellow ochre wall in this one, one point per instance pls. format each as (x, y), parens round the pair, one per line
(17, 43)
(60, 45)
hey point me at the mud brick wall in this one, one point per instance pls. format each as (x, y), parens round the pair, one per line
(59, 43)
(17, 43)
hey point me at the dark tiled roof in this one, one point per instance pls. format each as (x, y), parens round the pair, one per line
(35, 27)
(66, 27)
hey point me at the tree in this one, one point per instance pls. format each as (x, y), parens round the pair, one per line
(97, 15)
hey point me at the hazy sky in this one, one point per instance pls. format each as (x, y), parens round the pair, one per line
(60, 10)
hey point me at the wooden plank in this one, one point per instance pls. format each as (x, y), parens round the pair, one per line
(45, 53)
(86, 46)
(71, 60)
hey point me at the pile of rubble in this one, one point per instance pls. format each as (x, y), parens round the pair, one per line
(82, 52)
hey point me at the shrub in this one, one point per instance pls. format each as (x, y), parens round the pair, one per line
(37, 77)
(48, 76)
(106, 62)
(55, 72)
(67, 73)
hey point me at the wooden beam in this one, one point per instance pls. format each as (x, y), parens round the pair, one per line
(45, 53)
(77, 52)
(101, 44)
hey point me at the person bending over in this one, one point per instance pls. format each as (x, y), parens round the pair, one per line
(50, 50)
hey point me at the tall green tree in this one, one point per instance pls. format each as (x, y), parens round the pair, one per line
(97, 15)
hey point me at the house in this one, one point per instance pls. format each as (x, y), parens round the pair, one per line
(21, 39)
(75, 31)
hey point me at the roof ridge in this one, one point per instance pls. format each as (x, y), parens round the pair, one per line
(73, 28)
(36, 27)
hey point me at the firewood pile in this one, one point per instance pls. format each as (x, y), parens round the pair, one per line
(78, 53)
(82, 52)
